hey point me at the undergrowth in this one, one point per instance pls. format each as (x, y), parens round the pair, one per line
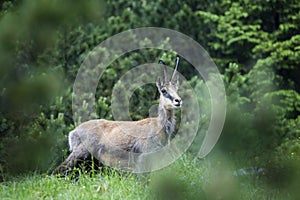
(186, 178)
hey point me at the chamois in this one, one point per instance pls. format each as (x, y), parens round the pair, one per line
(112, 142)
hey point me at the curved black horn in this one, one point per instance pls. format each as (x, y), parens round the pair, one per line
(176, 66)
(161, 61)
(165, 70)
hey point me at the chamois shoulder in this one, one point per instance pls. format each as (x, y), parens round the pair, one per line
(152, 120)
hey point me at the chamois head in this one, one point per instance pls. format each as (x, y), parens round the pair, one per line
(168, 88)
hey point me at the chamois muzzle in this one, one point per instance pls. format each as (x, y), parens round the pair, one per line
(178, 102)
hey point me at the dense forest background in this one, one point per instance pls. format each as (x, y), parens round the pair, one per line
(255, 44)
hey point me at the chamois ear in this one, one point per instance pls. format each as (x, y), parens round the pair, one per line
(166, 74)
(159, 83)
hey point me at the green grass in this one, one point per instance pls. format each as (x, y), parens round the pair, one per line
(112, 186)
(185, 179)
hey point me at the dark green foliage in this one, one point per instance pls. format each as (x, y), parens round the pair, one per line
(35, 99)
(263, 85)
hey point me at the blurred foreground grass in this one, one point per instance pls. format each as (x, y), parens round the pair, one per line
(185, 179)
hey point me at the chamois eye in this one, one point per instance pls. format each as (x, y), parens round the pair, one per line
(164, 91)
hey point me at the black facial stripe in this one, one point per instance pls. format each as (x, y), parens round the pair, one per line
(168, 96)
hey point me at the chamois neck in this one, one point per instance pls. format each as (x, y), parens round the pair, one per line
(166, 119)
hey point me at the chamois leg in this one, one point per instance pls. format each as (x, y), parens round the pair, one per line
(79, 154)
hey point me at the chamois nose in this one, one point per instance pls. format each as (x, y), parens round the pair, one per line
(178, 102)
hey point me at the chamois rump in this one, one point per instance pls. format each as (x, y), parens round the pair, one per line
(112, 142)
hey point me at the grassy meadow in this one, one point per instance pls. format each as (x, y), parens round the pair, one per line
(187, 178)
